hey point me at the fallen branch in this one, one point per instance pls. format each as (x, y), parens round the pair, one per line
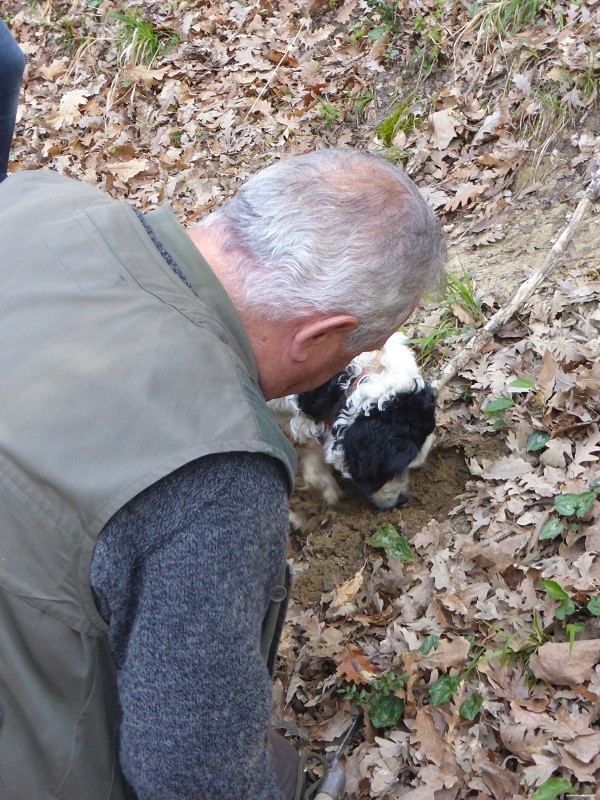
(475, 345)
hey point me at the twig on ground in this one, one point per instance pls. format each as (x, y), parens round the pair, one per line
(475, 345)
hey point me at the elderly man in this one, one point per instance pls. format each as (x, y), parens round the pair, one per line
(143, 480)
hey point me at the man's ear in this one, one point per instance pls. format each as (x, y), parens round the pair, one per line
(322, 335)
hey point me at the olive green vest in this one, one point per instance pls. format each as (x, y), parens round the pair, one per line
(113, 374)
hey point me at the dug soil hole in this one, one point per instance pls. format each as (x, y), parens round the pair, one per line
(331, 547)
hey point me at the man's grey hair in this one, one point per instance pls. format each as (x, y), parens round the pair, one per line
(337, 232)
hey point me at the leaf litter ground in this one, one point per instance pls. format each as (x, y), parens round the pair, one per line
(502, 135)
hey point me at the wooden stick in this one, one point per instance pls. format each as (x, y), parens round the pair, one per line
(475, 345)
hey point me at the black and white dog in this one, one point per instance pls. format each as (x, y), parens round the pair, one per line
(372, 423)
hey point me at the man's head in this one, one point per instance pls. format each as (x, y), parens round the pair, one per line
(327, 253)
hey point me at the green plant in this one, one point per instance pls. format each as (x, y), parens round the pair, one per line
(572, 629)
(395, 154)
(501, 17)
(460, 311)
(588, 80)
(566, 606)
(570, 509)
(518, 648)
(329, 113)
(138, 40)
(429, 643)
(72, 37)
(429, 32)
(400, 120)
(428, 345)
(594, 606)
(379, 700)
(395, 545)
(444, 687)
(552, 788)
(442, 690)
(471, 707)
(496, 409)
(460, 292)
(382, 20)
(537, 441)
(361, 102)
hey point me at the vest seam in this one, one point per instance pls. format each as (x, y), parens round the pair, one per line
(76, 725)
(46, 512)
(250, 446)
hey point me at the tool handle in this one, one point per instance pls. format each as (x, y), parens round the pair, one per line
(333, 785)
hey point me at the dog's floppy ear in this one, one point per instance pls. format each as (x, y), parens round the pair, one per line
(376, 450)
(382, 445)
(419, 408)
(319, 403)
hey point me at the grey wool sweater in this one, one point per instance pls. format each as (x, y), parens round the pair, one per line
(183, 574)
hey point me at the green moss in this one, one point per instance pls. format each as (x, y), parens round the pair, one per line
(400, 120)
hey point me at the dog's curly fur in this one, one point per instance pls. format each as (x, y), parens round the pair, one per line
(372, 422)
(380, 447)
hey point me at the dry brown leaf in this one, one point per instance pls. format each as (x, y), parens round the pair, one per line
(353, 665)
(508, 467)
(332, 728)
(378, 48)
(501, 782)
(68, 108)
(462, 315)
(319, 35)
(125, 170)
(55, 69)
(150, 77)
(522, 741)
(556, 453)
(558, 662)
(585, 748)
(344, 12)
(583, 772)
(432, 744)
(465, 195)
(445, 124)
(543, 768)
(592, 539)
(344, 593)
(448, 653)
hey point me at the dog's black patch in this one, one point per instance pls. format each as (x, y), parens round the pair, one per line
(380, 446)
(320, 404)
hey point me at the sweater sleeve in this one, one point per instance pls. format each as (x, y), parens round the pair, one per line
(183, 575)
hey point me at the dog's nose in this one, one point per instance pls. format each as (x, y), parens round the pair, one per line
(402, 499)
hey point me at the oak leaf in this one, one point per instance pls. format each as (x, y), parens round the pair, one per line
(353, 664)
(445, 124)
(563, 664)
(584, 748)
(68, 108)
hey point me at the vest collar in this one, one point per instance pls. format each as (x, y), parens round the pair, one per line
(200, 276)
